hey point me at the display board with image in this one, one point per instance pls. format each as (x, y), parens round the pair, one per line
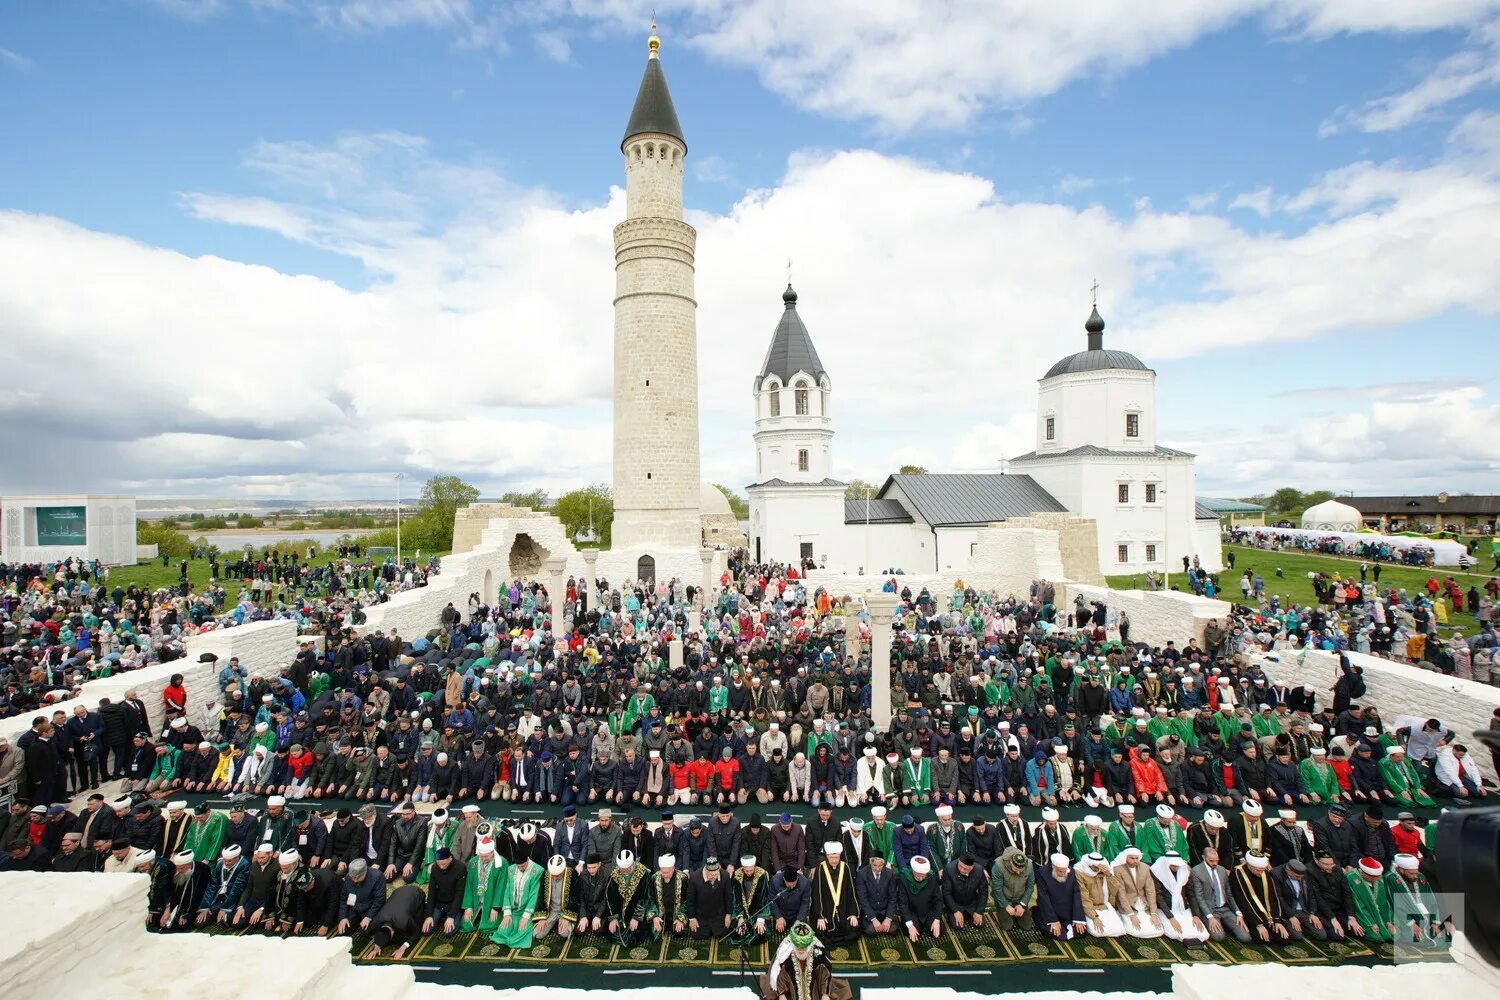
(61, 526)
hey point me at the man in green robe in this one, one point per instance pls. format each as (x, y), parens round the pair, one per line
(1318, 779)
(749, 903)
(881, 834)
(1402, 779)
(518, 899)
(1123, 833)
(1089, 837)
(1373, 913)
(482, 889)
(440, 834)
(1265, 724)
(946, 838)
(205, 835)
(638, 707)
(916, 779)
(1163, 835)
(1414, 906)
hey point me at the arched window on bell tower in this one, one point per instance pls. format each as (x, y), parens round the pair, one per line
(801, 396)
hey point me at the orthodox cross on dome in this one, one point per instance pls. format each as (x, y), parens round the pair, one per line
(1095, 289)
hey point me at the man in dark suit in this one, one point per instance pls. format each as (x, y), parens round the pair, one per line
(875, 888)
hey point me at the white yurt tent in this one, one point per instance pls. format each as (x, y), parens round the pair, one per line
(1330, 515)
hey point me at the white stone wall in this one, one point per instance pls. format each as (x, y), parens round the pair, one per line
(1155, 616)
(263, 647)
(783, 517)
(1396, 689)
(656, 478)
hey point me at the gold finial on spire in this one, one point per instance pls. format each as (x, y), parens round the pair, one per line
(653, 43)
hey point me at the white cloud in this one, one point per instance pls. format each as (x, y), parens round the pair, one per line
(14, 60)
(482, 342)
(1459, 75)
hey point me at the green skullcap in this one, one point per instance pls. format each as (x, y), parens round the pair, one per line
(802, 935)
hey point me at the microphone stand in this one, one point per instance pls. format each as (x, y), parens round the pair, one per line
(769, 905)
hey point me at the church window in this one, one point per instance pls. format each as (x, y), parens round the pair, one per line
(801, 401)
(1122, 493)
(1151, 553)
(1132, 425)
(1151, 493)
(801, 459)
(1051, 428)
(775, 401)
(1122, 553)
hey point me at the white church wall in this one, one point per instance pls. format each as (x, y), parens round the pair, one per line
(1207, 543)
(108, 522)
(1396, 689)
(1090, 408)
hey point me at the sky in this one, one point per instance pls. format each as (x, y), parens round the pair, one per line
(287, 249)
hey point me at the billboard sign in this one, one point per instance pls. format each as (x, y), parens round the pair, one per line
(61, 526)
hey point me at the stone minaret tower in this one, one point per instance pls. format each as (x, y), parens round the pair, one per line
(656, 334)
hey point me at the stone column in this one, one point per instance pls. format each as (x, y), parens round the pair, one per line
(695, 623)
(556, 582)
(590, 561)
(674, 652)
(882, 610)
(706, 585)
(852, 642)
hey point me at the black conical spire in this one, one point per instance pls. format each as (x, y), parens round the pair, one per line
(1094, 326)
(653, 111)
(791, 348)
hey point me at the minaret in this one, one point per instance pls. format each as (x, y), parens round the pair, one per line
(656, 339)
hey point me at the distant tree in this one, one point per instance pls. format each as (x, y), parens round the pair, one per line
(1284, 499)
(432, 527)
(572, 509)
(246, 521)
(168, 541)
(913, 470)
(737, 504)
(535, 499)
(858, 489)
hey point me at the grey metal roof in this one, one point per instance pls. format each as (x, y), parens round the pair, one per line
(1457, 504)
(1219, 506)
(1160, 451)
(1093, 361)
(1203, 512)
(944, 500)
(653, 111)
(791, 348)
(886, 511)
(778, 481)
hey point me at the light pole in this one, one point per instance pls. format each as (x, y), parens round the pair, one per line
(1166, 540)
(398, 526)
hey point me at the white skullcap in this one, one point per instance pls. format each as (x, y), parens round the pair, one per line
(869, 751)
(289, 857)
(485, 847)
(231, 853)
(176, 805)
(877, 811)
(1132, 852)
(653, 754)
(1257, 861)
(1164, 811)
(439, 816)
(1049, 813)
(1011, 809)
(182, 858)
(1059, 751)
(1407, 862)
(856, 824)
(1287, 813)
(1394, 749)
(1214, 818)
(265, 848)
(205, 745)
(261, 727)
(1319, 752)
(625, 859)
(1316, 727)
(556, 864)
(666, 861)
(1059, 861)
(528, 831)
(1127, 809)
(921, 865)
(470, 810)
(916, 751)
(179, 723)
(1092, 820)
(747, 861)
(943, 810)
(1371, 867)
(145, 858)
(1253, 808)
(276, 800)
(833, 847)
(442, 758)
(267, 698)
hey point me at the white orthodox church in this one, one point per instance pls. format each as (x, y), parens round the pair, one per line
(1096, 457)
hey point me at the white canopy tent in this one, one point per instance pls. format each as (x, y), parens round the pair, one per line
(1444, 552)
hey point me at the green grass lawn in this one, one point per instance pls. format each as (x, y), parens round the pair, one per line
(1296, 586)
(153, 574)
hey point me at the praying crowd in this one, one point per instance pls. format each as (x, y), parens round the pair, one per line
(382, 785)
(63, 624)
